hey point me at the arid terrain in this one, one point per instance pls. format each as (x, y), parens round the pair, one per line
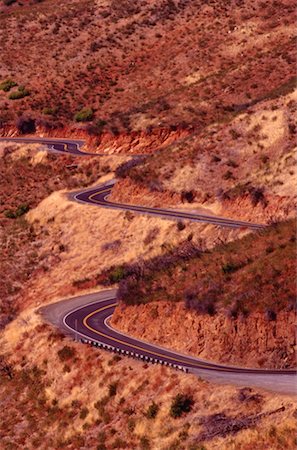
(206, 92)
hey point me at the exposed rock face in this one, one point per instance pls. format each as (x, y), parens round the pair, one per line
(145, 141)
(245, 341)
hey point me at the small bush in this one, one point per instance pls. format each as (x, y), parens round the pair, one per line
(20, 93)
(205, 305)
(83, 414)
(180, 225)
(84, 115)
(232, 163)
(144, 443)
(49, 111)
(8, 2)
(112, 389)
(181, 403)
(20, 211)
(26, 125)
(257, 196)
(6, 85)
(119, 443)
(66, 353)
(129, 411)
(270, 315)
(215, 159)
(117, 274)
(188, 196)
(228, 175)
(100, 405)
(152, 411)
(230, 267)
(114, 245)
(151, 236)
(101, 447)
(131, 424)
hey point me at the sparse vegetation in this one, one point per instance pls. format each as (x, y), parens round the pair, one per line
(251, 266)
(66, 353)
(6, 85)
(84, 115)
(152, 411)
(193, 85)
(180, 405)
(112, 389)
(20, 211)
(20, 93)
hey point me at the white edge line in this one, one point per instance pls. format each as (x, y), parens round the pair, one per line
(197, 360)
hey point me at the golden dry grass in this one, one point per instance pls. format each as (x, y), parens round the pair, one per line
(64, 388)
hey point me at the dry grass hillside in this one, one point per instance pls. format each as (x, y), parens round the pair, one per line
(95, 239)
(57, 394)
(206, 90)
(128, 66)
(81, 397)
(64, 241)
(28, 174)
(244, 168)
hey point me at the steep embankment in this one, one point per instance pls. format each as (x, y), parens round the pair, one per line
(251, 341)
(243, 167)
(126, 143)
(233, 304)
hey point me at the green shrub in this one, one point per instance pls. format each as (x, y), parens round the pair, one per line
(181, 403)
(84, 115)
(20, 211)
(117, 274)
(152, 411)
(6, 85)
(49, 111)
(20, 93)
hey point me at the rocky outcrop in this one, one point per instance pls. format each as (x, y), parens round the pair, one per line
(253, 341)
(144, 141)
(277, 208)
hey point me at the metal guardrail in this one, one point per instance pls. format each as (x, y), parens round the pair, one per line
(133, 355)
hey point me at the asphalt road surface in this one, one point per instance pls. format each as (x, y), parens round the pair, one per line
(86, 317)
(99, 196)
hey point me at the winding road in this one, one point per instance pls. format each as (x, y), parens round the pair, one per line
(87, 317)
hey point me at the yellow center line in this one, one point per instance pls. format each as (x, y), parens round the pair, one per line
(183, 361)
